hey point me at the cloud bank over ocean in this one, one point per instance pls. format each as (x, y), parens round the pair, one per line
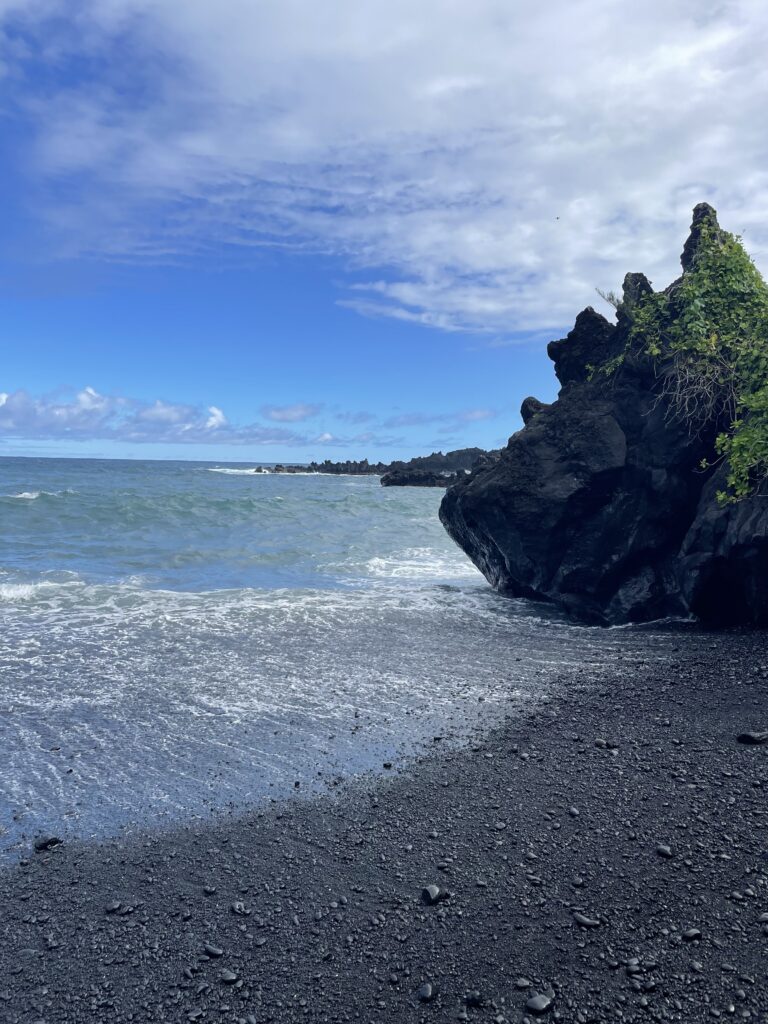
(87, 415)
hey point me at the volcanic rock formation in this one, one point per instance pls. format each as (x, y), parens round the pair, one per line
(600, 503)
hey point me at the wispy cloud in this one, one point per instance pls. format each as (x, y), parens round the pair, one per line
(452, 419)
(290, 413)
(499, 160)
(356, 417)
(368, 438)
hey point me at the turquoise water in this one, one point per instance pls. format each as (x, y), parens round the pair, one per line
(177, 638)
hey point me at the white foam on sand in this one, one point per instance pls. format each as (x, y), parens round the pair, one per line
(421, 564)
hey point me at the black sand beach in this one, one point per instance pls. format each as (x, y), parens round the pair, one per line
(603, 857)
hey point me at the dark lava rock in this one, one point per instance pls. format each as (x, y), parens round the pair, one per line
(703, 217)
(599, 504)
(752, 738)
(418, 478)
(47, 843)
(530, 407)
(438, 470)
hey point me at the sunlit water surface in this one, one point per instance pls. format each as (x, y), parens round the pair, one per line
(177, 638)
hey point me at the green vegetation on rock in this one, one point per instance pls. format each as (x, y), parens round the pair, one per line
(709, 332)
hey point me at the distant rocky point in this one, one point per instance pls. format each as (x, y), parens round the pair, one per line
(435, 470)
(640, 493)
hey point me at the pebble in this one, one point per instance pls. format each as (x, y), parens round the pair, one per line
(47, 843)
(585, 922)
(228, 977)
(432, 894)
(112, 907)
(426, 992)
(691, 935)
(752, 738)
(664, 851)
(213, 950)
(539, 1004)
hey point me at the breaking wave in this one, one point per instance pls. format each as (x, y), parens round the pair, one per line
(34, 495)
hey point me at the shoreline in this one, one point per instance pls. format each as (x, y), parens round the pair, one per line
(607, 846)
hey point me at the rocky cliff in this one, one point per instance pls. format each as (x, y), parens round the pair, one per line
(610, 502)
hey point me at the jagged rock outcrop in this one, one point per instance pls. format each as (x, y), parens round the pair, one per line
(599, 504)
(591, 342)
(704, 217)
(432, 471)
(530, 407)
(419, 478)
(437, 469)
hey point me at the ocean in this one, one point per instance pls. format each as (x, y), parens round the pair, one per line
(179, 639)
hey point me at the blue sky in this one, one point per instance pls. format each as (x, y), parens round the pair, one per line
(285, 231)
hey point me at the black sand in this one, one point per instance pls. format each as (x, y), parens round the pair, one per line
(628, 803)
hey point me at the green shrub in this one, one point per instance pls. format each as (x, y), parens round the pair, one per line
(709, 333)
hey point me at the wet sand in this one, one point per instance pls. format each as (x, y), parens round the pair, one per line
(602, 857)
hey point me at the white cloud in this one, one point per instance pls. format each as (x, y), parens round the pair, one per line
(290, 413)
(164, 412)
(84, 413)
(500, 159)
(216, 418)
(88, 415)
